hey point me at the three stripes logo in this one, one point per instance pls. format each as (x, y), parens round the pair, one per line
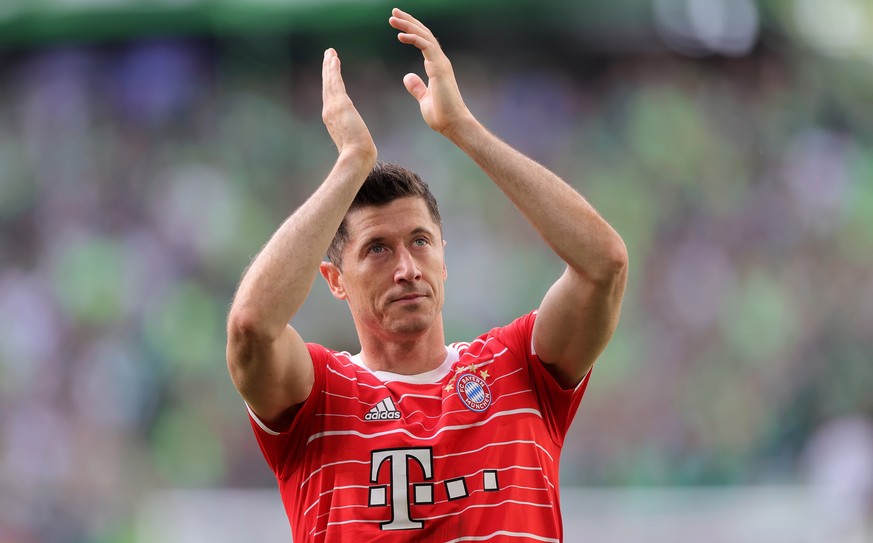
(383, 410)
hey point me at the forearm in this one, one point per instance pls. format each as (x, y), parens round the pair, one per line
(562, 217)
(279, 279)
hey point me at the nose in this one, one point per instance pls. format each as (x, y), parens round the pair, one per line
(406, 269)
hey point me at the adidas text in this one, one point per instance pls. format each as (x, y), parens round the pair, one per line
(384, 410)
(383, 415)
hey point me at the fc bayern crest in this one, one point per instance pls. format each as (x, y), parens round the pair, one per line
(474, 392)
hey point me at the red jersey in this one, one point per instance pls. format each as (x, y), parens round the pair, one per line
(466, 452)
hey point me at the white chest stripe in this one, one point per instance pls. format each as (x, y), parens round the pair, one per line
(320, 435)
(515, 442)
(504, 533)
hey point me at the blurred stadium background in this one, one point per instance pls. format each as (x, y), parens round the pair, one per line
(148, 148)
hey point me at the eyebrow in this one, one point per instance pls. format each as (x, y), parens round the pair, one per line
(421, 230)
(382, 239)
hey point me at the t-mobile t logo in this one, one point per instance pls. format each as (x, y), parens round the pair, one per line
(400, 461)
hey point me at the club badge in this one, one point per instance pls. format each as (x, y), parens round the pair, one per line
(473, 392)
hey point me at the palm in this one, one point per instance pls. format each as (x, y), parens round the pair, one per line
(344, 124)
(440, 100)
(429, 111)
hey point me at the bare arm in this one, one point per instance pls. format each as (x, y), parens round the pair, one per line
(580, 312)
(267, 359)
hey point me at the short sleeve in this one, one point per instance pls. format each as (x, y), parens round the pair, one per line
(559, 405)
(282, 450)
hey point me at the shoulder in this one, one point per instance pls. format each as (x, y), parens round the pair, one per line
(517, 333)
(327, 361)
(326, 355)
(514, 337)
(339, 369)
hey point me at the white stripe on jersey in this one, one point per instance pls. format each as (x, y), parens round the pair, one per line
(527, 441)
(365, 462)
(367, 506)
(411, 395)
(502, 376)
(335, 395)
(493, 358)
(319, 435)
(346, 377)
(465, 410)
(463, 346)
(504, 532)
(501, 488)
(487, 506)
(260, 423)
(490, 360)
(468, 538)
(353, 521)
(343, 522)
(341, 415)
(480, 340)
(326, 492)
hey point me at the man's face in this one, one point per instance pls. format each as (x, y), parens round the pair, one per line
(393, 268)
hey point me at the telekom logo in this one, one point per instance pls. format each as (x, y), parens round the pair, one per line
(416, 464)
(400, 460)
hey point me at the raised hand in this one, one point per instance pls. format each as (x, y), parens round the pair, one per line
(440, 100)
(344, 124)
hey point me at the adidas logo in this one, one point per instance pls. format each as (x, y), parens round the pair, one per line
(383, 410)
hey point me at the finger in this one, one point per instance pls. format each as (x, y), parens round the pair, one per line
(419, 36)
(402, 15)
(410, 27)
(415, 86)
(435, 61)
(339, 86)
(326, 71)
(415, 40)
(324, 68)
(332, 77)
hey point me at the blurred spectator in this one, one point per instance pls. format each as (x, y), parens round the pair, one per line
(838, 463)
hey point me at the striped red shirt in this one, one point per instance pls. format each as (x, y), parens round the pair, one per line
(466, 452)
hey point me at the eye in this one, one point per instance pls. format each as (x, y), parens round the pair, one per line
(420, 242)
(377, 249)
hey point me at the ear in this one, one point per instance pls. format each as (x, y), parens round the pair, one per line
(334, 278)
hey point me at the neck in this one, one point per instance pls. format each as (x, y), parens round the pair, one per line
(407, 354)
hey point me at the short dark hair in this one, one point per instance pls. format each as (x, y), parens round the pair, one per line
(385, 183)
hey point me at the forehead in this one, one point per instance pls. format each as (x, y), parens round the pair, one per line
(396, 218)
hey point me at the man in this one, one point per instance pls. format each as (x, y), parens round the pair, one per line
(414, 440)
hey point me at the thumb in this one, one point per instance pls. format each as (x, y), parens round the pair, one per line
(415, 86)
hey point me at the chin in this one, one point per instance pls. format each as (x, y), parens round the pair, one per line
(410, 325)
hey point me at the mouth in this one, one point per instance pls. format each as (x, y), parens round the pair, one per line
(406, 298)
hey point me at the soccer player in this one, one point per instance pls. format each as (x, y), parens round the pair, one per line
(413, 439)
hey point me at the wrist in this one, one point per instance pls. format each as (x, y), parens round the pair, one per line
(462, 130)
(361, 158)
